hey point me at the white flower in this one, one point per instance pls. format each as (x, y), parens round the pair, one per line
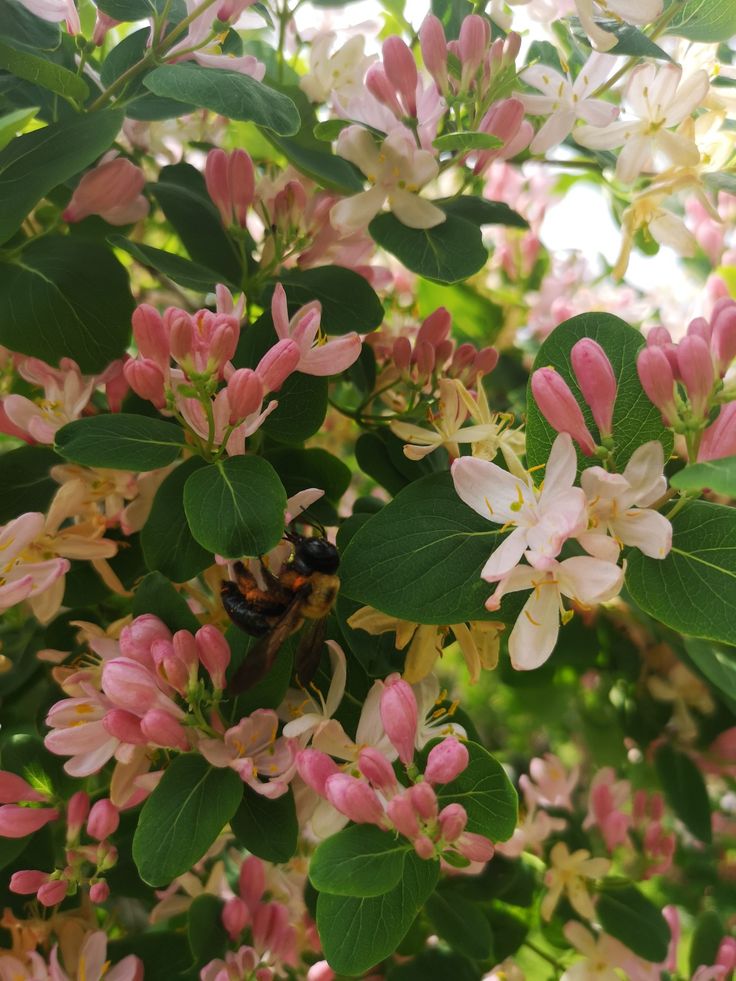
(397, 169)
(566, 101)
(341, 72)
(603, 954)
(630, 11)
(310, 711)
(660, 100)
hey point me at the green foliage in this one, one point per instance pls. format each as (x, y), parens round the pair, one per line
(51, 308)
(266, 828)
(361, 860)
(717, 664)
(707, 937)
(206, 935)
(156, 595)
(42, 72)
(25, 484)
(236, 507)
(447, 253)
(704, 20)
(690, 590)
(461, 923)
(348, 302)
(717, 475)
(183, 816)
(466, 141)
(183, 271)
(630, 917)
(121, 441)
(685, 790)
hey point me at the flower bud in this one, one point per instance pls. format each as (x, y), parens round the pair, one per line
(474, 36)
(216, 181)
(17, 821)
(129, 685)
(150, 335)
(696, 371)
(596, 380)
(14, 788)
(453, 819)
(147, 380)
(558, 406)
(401, 353)
(719, 439)
(214, 653)
(376, 768)
(423, 800)
(162, 729)
(424, 847)
(399, 65)
(185, 648)
(51, 893)
(379, 86)
(476, 848)
(99, 892)
(277, 364)
(436, 327)
(27, 882)
(723, 336)
(659, 337)
(252, 881)
(424, 359)
(244, 394)
(314, 768)
(124, 726)
(137, 637)
(181, 336)
(699, 327)
(446, 761)
(403, 816)
(103, 819)
(657, 380)
(399, 715)
(354, 798)
(235, 917)
(77, 809)
(434, 50)
(103, 23)
(485, 361)
(111, 190)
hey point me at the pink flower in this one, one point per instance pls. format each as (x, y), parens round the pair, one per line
(597, 382)
(399, 716)
(18, 815)
(549, 784)
(719, 439)
(55, 11)
(111, 190)
(103, 819)
(329, 358)
(253, 750)
(446, 761)
(354, 798)
(23, 573)
(607, 796)
(560, 408)
(93, 965)
(78, 731)
(66, 393)
(505, 119)
(230, 180)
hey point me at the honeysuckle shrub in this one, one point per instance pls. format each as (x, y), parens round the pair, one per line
(277, 288)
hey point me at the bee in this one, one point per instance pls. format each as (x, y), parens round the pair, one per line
(304, 589)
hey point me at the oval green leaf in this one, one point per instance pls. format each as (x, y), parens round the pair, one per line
(25, 482)
(467, 141)
(631, 918)
(348, 301)
(121, 441)
(43, 72)
(236, 507)
(717, 475)
(447, 253)
(182, 271)
(707, 21)
(267, 828)
(361, 860)
(685, 791)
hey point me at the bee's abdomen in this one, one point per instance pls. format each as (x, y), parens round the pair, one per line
(242, 613)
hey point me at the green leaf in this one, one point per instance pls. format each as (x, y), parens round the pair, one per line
(121, 441)
(348, 301)
(485, 792)
(183, 197)
(631, 918)
(163, 952)
(43, 72)
(267, 828)
(630, 40)
(361, 860)
(420, 557)
(330, 129)
(226, 92)
(692, 589)
(50, 307)
(182, 271)
(718, 475)
(168, 544)
(706, 939)
(183, 816)
(717, 664)
(451, 14)
(236, 507)
(461, 923)
(467, 141)
(447, 253)
(12, 122)
(314, 467)
(32, 164)
(704, 20)
(481, 211)
(635, 419)
(685, 791)
(21, 26)
(156, 595)
(357, 933)
(301, 410)
(434, 965)
(205, 932)
(25, 484)
(127, 10)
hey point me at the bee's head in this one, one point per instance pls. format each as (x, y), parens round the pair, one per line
(315, 555)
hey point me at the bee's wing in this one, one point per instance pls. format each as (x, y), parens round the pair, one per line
(309, 652)
(259, 660)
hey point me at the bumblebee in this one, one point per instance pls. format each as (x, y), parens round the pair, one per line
(304, 589)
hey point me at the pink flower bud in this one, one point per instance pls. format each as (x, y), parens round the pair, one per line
(216, 180)
(277, 364)
(14, 788)
(424, 847)
(354, 798)
(214, 653)
(719, 439)
(103, 23)
(27, 882)
(376, 768)
(424, 359)
(241, 178)
(116, 384)
(162, 729)
(485, 361)
(103, 819)
(399, 715)
(99, 892)
(453, 819)
(403, 816)
(424, 801)
(401, 353)
(170, 668)
(17, 821)
(379, 86)
(696, 371)
(181, 337)
(436, 327)
(321, 971)
(596, 380)
(473, 39)
(150, 335)
(222, 346)
(125, 726)
(129, 685)
(723, 337)
(558, 406)
(434, 50)
(476, 848)
(726, 955)
(657, 380)
(446, 761)
(443, 351)
(147, 380)
(77, 810)
(51, 893)
(252, 880)
(235, 917)
(399, 64)
(270, 926)
(315, 768)
(244, 394)
(136, 639)
(111, 190)
(659, 337)
(463, 357)
(185, 648)
(699, 327)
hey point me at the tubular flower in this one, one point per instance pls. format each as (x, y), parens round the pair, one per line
(317, 355)
(567, 874)
(253, 750)
(25, 572)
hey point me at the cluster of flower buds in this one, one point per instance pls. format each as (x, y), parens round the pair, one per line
(394, 81)
(597, 383)
(272, 935)
(111, 190)
(101, 820)
(685, 380)
(481, 59)
(373, 794)
(23, 808)
(230, 180)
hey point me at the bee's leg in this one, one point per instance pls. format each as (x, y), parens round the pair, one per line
(241, 612)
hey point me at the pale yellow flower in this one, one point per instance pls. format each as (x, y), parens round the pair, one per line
(567, 874)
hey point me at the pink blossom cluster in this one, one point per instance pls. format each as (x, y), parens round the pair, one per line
(372, 794)
(85, 959)
(548, 784)
(694, 369)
